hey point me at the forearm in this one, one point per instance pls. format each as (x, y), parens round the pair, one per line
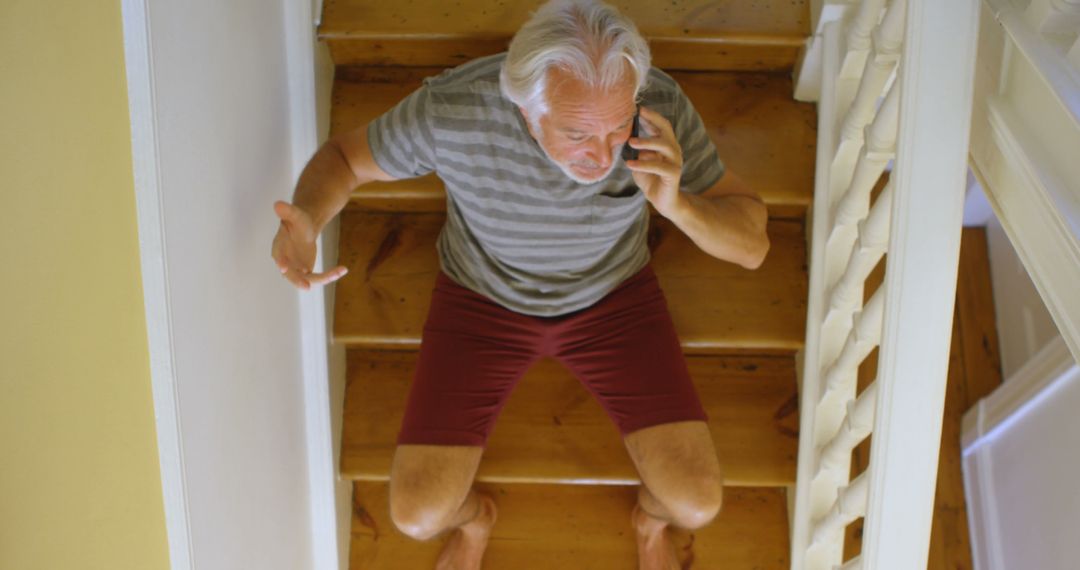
(730, 227)
(325, 185)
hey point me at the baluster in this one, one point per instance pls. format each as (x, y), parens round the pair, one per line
(871, 244)
(863, 338)
(880, 65)
(858, 423)
(853, 564)
(858, 37)
(850, 504)
(878, 150)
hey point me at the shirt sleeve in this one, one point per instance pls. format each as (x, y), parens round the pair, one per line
(702, 167)
(401, 139)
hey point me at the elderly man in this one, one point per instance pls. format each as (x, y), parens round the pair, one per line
(544, 254)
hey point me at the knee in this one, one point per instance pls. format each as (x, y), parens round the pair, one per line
(419, 515)
(696, 503)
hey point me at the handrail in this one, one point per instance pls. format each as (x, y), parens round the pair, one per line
(900, 82)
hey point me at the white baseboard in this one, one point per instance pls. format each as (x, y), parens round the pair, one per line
(1023, 390)
(301, 19)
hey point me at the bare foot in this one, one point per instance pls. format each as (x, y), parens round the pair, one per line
(655, 548)
(465, 548)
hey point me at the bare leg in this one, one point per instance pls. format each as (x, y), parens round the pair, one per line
(431, 494)
(682, 486)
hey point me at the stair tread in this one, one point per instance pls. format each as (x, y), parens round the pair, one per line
(560, 526)
(684, 34)
(552, 430)
(483, 18)
(716, 306)
(761, 134)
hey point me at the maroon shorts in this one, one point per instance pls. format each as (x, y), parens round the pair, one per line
(623, 349)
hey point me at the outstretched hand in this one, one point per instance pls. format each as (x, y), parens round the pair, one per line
(294, 248)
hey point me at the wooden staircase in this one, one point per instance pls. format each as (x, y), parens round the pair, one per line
(555, 463)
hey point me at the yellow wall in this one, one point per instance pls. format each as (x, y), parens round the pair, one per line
(80, 486)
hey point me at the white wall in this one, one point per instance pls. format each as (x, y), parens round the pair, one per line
(1020, 464)
(1024, 324)
(1021, 468)
(226, 342)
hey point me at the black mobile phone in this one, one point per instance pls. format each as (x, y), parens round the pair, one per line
(629, 152)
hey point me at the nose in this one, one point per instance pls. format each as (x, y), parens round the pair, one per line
(599, 153)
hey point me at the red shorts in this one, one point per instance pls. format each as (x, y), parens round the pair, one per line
(623, 349)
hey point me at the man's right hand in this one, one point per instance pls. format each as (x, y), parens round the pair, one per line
(294, 248)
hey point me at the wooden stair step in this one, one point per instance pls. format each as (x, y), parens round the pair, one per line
(552, 430)
(716, 306)
(760, 132)
(540, 527)
(682, 34)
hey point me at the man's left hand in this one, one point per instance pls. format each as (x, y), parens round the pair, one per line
(658, 169)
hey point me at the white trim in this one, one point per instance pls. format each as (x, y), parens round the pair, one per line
(808, 73)
(1025, 389)
(936, 81)
(322, 473)
(1025, 196)
(810, 365)
(982, 512)
(145, 158)
(1054, 68)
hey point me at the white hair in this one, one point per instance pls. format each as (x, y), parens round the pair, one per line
(587, 38)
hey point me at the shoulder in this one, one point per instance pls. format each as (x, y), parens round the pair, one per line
(661, 82)
(479, 73)
(662, 94)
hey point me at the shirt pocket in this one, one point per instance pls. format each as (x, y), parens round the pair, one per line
(613, 215)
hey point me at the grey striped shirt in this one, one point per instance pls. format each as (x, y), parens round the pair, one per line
(518, 230)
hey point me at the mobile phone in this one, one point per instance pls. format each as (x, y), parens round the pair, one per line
(629, 152)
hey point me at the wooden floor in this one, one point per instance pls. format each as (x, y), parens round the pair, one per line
(974, 372)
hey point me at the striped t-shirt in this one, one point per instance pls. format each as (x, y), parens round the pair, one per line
(518, 230)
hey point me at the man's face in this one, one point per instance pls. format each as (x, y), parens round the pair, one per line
(585, 128)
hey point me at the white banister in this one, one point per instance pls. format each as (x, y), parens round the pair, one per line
(863, 338)
(867, 15)
(857, 425)
(936, 73)
(853, 564)
(1023, 152)
(1053, 16)
(880, 65)
(850, 504)
(921, 125)
(871, 244)
(878, 149)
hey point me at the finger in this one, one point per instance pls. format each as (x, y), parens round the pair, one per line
(663, 169)
(285, 211)
(661, 146)
(283, 259)
(659, 121)
(294, 277)
(327, 276)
